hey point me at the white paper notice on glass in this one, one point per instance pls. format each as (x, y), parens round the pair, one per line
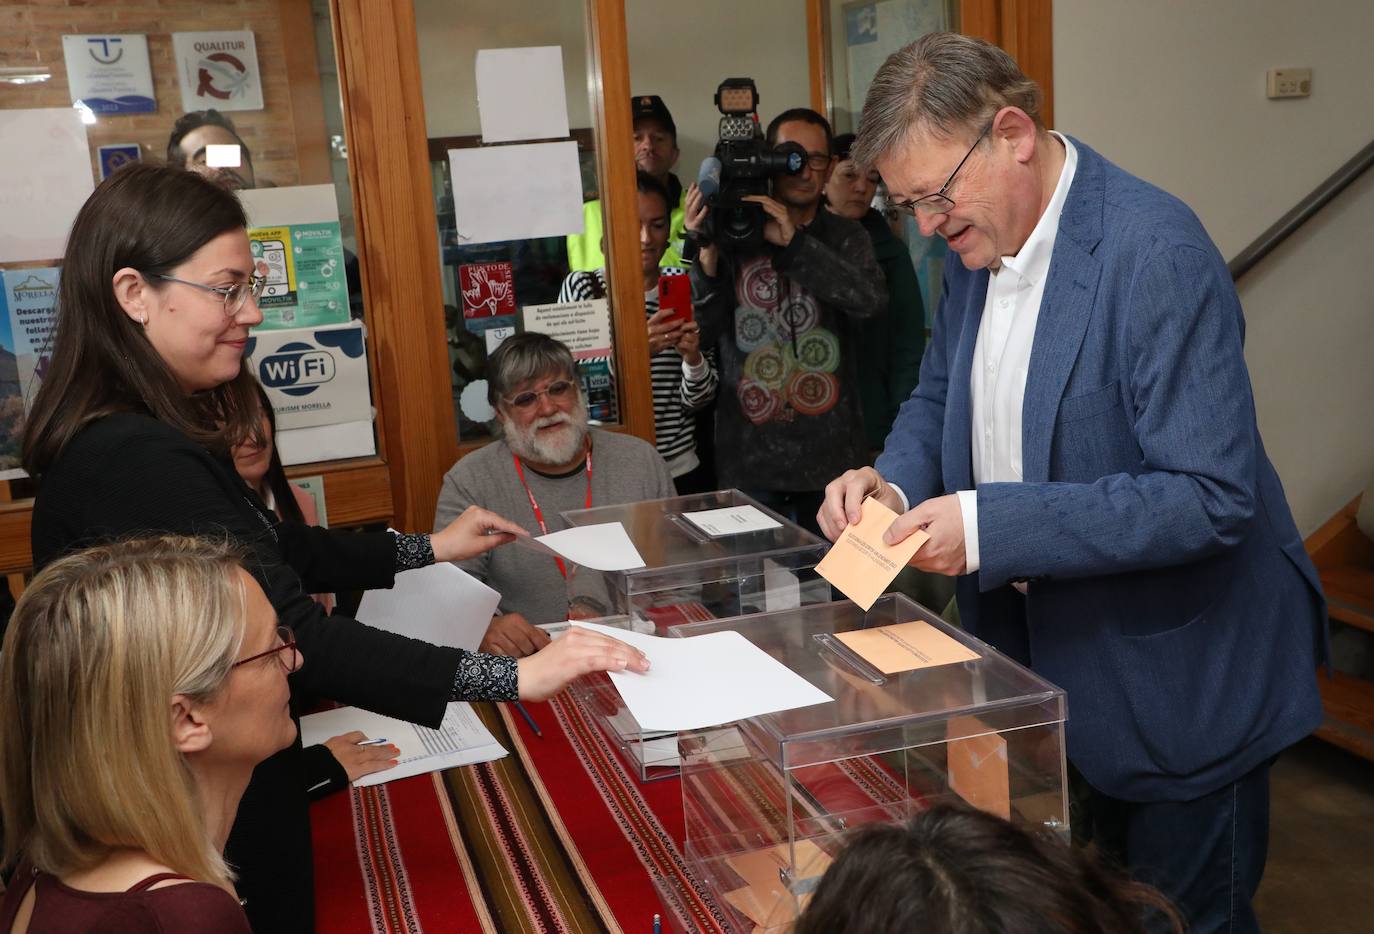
(461, 739)
(442, 604)
(602, 547)
(584, 326)
(705, 680)
(731, 520)
(516, 192)
(46, 167)
(521, 95)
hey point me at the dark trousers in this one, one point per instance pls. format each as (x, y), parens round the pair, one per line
(1207, 855)
(801, 508)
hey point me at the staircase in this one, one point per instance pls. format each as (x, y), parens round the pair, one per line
(1344, 557)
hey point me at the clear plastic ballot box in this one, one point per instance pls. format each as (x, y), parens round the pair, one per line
(696, 567)
(769, 801)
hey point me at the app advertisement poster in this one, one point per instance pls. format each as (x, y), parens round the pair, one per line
(306, 282)
(313, 376)
(28, 310)
(295, 237)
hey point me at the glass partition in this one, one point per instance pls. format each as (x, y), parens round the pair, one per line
(246, 95)
(861, 34)
(509, 122)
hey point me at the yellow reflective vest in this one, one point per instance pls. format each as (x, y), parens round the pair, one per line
(584, 249)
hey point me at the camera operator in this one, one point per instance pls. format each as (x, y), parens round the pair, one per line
(784, 320)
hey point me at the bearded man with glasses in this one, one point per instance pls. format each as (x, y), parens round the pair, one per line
(547, 461)
(1082, 450)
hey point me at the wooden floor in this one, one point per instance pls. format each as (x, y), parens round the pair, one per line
(1320, 875)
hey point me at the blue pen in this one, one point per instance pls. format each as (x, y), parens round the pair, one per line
(373, 742)
(528, 719)
(658, 925)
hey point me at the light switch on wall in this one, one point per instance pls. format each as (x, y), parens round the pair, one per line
(1289, 82)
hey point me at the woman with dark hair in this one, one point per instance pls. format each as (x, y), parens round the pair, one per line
(259, 464)
(954, 870)
(146, 394)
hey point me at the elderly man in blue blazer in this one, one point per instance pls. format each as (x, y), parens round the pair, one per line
(1082, 450)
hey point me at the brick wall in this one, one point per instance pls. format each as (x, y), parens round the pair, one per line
(31, 35)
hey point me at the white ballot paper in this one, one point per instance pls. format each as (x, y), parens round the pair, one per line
(460, 740)
(732, 520)
(442, 604)
(602, 547)
(705, 680)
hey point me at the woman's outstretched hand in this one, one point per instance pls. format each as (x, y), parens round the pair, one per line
(575, 653)
(474, 532)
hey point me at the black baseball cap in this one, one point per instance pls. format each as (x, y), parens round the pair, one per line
(651, 105)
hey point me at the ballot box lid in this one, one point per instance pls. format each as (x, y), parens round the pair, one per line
(676, 549)
(874, 711)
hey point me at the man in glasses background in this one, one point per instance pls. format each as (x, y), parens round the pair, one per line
(1083, 451)
(788, 415)
(548, 460)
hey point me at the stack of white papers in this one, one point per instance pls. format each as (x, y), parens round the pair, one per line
(731, 520)
(705, 681)
(460, 740)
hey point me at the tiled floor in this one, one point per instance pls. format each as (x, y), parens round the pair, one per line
(1320, 875)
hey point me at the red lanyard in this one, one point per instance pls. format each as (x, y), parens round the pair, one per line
(534, 503)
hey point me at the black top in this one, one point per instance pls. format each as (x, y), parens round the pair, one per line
(127, 474)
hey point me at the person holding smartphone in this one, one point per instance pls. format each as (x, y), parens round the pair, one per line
(684, 377)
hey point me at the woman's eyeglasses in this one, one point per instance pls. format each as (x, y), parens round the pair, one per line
(234, 295)
(288, 644)
(558, 390)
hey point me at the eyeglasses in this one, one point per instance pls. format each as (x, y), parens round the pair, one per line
(940, 202)
(234, 295)
(818, 160)
(288, 644)
(558, 390)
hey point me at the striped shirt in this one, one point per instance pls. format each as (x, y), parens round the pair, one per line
(679, 389)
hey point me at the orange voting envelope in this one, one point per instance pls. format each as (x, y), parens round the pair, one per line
(906, 647)
(859, 564)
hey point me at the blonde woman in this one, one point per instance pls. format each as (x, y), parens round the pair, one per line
(140, 683)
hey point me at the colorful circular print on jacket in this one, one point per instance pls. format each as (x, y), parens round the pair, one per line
(758, 402)
(813, 393)
(798, 314)
(752, 329)
(768, 365)
(759, 282)
(817, 351)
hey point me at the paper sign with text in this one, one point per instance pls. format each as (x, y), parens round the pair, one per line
(584, 326)
(859, 564)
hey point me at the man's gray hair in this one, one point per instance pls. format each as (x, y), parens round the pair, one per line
(524, 357)
(945, 85)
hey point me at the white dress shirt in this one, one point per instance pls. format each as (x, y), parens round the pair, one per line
(1001, 357)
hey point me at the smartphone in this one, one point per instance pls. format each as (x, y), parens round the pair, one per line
(675, 295)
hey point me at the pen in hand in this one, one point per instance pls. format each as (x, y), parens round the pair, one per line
(373, 742)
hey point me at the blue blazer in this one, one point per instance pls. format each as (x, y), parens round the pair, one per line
(1171, 595)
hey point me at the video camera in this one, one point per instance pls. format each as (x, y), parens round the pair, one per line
(742, 165)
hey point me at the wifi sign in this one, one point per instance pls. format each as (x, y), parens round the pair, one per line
(296, 369)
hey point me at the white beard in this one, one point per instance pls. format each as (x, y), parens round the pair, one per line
(558, 448)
